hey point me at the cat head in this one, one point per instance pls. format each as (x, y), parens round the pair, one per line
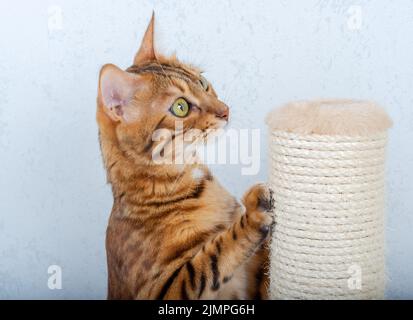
(155, 93)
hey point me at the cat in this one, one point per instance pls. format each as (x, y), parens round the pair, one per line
(174, 232)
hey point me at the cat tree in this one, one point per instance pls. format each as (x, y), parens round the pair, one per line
(327, 173)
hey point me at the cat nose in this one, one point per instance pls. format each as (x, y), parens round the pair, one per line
(223, 113)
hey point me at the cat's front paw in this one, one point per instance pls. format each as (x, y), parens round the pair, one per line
(259, 205)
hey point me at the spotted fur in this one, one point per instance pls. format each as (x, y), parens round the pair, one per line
(174, 231)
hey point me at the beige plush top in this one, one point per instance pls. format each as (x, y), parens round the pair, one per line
(330, 117)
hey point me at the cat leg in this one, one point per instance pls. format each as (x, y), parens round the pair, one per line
(214, 265)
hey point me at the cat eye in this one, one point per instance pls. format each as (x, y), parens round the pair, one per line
(180, 108)
(203, 82)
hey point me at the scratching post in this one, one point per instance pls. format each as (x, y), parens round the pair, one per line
(327, 174)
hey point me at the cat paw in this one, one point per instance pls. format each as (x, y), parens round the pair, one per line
(259, 204)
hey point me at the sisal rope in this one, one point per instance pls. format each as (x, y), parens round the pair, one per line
(329, 211)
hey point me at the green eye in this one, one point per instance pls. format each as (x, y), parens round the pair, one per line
(180, 108)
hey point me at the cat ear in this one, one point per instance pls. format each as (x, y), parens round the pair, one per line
(146, 51)
(117, 88)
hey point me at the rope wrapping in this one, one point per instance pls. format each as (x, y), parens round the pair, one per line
(328, 241)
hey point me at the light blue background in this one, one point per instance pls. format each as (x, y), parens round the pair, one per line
(54, 203)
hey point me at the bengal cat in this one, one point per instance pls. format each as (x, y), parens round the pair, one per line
(174, 231)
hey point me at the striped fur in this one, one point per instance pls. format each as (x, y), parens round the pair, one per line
(173, 234)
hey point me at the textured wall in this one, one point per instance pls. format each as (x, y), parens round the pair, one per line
(54, 203)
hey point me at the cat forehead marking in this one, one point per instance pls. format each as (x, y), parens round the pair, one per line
(166, 70)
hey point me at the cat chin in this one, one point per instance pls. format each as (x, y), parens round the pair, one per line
(222, 124)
